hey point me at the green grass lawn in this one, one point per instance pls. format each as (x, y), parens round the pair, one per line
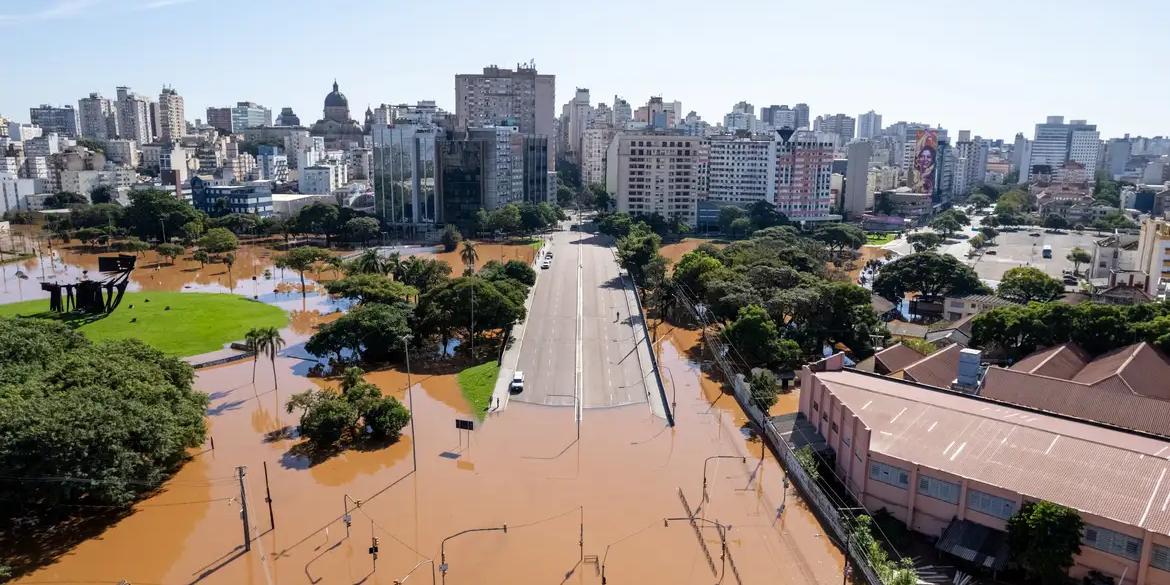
(196, 322)
(877, 239)
(477, 384)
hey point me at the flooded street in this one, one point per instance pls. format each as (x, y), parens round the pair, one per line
(521, 467)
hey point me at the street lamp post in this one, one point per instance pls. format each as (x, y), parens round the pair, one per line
(704, 499)
(413, 569)
(721, 528)
(410, 398)
(443, 545)
(575, 404)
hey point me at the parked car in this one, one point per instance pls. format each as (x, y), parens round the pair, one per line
(517, 384)
(546, 264)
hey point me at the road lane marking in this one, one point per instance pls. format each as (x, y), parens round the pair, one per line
(580, 384)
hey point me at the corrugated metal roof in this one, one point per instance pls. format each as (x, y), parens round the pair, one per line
(937, 369)
(1060, 361)
(1112, 474)
(896, 357)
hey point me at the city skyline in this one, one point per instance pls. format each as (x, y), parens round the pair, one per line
(996, 93)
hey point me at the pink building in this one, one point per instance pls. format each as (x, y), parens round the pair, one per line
(950, 464)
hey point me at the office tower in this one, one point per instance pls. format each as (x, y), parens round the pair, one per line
(54, 120)
(521, 97)
(171, 121)
(98, 119)
(1055, 143)
(802, 119)
(287, 118)
(1117, 155)
(655, 173)
(220, 119)
(869, 124)
(840, 124)
(249, 115)
(133, 112)
(857, 194)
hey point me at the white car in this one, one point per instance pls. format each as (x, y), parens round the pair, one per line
(517, 384)
(546, 264)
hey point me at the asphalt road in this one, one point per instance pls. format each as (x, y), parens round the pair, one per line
(610, 370)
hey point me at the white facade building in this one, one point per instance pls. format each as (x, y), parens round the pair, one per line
(318, 180)
(804, 169)
(869, 125)
(741, 170)
(655, 173)
(84, 182)
(123, 152)
(15, 192)
(250, 115)
(133, 113)
(580, 113)
(172, 123)
(594, 149)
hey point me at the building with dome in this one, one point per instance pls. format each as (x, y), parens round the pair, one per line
(337, 128)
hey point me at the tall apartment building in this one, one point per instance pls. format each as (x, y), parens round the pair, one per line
(655, 173)
(840, 124)
(171, 121)
(287, 118)
(271, 164)
(1118, 152)
(249, 115)
(778, 117)
(869, 124)
(62, 120)
(970, 163)
(802, 119)
(98, 119)
(220, 119)
(742, 118)
(858, 196)
(1056, 143)
(521, 97)
(804, 169)
(622, 112)
(741, 170)
(133, 113)
(579, 113)
(594, 151)
(503, 164)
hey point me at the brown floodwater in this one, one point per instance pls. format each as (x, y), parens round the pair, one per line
(487, 252)
(521, 467)
(676, 250)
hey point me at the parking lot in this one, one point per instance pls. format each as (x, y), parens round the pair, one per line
(1021, 248)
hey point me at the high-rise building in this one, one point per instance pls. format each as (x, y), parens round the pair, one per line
(171, 121)
(840, 124)
(503, 164)
(98, 119)
(655, 173)
(802, 119)
(741, 170)
(858, 197)
(271, 164)
(287, 118)
(594, 149)
(869, 124)
(1117, 155)
(777, 117)
(522, 98)
(970, 163)
(804, 169)
(742, 118)
(62, 120)
(249, 115)
(622, 113)
(220, 119)
(133, 112)
(579, 112)
(1053, 145)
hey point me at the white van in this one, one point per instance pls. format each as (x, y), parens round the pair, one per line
(517, 385)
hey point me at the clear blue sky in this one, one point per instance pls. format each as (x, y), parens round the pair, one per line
(994, 68)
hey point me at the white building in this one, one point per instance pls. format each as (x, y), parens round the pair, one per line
(97, 117)
(741, 170)
(318, 180)
(869, 124)
(1053, 145)
(594, 149)
(133, 113)
(18, 132)
(15, 192)
(622, 113)
(250, 115)
(45, 146)
(271, 165)
(123, 152)
(579, 112)
(84, 182)
(655, 173)
(172, 123)
(1153, 256)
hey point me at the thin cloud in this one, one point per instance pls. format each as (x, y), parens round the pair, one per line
(55, 10)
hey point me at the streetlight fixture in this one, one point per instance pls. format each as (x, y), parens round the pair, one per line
(413, 569)
(723, 529)
(443, 545)
(705, 499)
(410, 398)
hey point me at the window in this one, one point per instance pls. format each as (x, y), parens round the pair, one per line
(938, 489)
(815, 405)
(1112, 542)
(834, 425)
(895, 476)
(1160, 557)
(991, 505)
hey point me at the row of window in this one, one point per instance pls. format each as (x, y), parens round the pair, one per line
(941, 489)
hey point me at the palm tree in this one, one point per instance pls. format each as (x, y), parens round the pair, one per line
(393, 265)
(469, 255)
(252, 340)
(269, 342)
(368, 262)
(335, 263)
(229, 259)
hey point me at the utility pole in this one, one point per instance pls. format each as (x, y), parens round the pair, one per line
(241, 470)
(410, 398)
(268, 498)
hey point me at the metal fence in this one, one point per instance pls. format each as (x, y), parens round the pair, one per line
(828, 512)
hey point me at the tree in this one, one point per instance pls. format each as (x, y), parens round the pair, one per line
(506, 219)
(756, 338)
(368, 262)
(976, 241)
(370, 288)
(469, 255)
(1055, 222)
(1025, 284)
(191, 231)
(362, 229)
(422, 274)
(102, 215)
(218, 241)
(301, 259)
(103, 194)
(988, 233)
(602, 200)
(372, 331)
(946, 224)
(202, 257)
(764, 215)
(252, 341)
(152, 212)
(319, 218)
(728, 215)
(617, 225)
(1044, 537)
(134, 245)
(328, 416)
(118, 416)
(517, 270)
(1078, 256)
(450, 238)
(636, 250)
(764, 386)
(64, 200)
(230, 260)
(979, 201)
(929, 274)
(169, 251)
(447, 307)
(924, 241)
(269, 342)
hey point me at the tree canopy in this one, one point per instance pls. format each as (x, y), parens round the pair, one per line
(219, 241)
(1096, 327)
(371, 288)
(839, 237)
(357, 412)
(1024, 284)
(152, 211)
(373, 331)
(929, 274)
(924, 241)
(1044, 537)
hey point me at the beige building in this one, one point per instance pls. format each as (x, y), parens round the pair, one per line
(594, 149)
(522, 97)
(172, 123)
(1154, 256)
(651, 173)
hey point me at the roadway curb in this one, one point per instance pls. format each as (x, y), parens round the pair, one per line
(500, 393)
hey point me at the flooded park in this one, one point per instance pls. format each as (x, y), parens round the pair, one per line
(528, 495)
